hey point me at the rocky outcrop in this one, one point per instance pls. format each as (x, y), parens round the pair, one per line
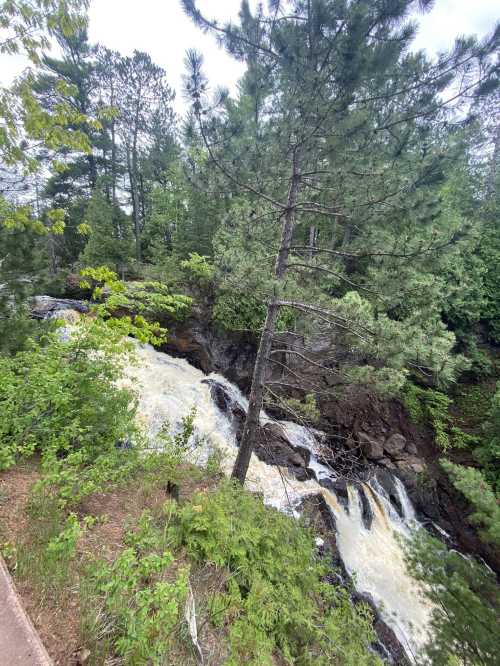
(43, 306)
(272, 445)
(211, 348)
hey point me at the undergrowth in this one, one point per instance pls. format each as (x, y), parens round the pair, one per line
(427, 406)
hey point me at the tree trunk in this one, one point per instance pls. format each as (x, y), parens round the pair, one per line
(131, 166)
(256, 397)
(312, 240)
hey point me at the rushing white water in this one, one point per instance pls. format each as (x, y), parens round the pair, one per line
(168, 388)
(374, 558)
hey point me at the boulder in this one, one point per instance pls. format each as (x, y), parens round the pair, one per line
(219, 395)
(372, 448)
(43, 306)
(411, 448)
(274, 448)
(395, 444)
(366, 508)
(387, 463)
(412, 464)
(339, 488)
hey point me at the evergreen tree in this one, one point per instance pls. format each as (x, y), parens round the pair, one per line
(466, 603)
(339, 114)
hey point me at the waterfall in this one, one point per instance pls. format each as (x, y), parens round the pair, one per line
(374, 558)
(169, 387)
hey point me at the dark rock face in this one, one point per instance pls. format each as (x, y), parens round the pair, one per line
(43, 306)
(386, 480)
(211, 348)
(272, 445)
(339, 487)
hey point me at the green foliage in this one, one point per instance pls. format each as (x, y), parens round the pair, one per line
(141, 595)
(143, 300)
(275, 596)
(107, 229)
(235, 310)
(431, 407)
(490, 254)
(307, 408)
(198, 267)
(466, 603)
(60, 398)
(475, 488)
(488, 452)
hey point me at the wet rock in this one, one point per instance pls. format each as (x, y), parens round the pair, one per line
(339, 488)
(273, 447)
(219, 395)
(388, 646)
(366, 508)
(372, 448)
(387, 481)
(395, 444)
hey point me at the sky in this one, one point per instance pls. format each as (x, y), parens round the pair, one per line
(161, 28)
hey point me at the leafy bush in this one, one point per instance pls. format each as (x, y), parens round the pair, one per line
(144, 301)
(199, 267)
(275, 598)
(141, 605)
(60, 397)
(243, 311)
(488, 453)
(473, 485)
(306, 408)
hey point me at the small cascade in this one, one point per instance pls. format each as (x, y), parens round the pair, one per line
(168, 388)
(374, 558)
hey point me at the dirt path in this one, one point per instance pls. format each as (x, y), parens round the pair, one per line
(19, 641)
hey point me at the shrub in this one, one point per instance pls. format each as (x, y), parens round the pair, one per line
(432, 407)
(142, 606)
(275, 597)
(60, 397)
(143, 301)
(199, 267)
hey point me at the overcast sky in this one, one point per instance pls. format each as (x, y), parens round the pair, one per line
(161, 28)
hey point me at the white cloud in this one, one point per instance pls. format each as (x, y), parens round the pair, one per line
(161, 28)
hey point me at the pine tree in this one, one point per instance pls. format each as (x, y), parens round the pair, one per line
(338, 141)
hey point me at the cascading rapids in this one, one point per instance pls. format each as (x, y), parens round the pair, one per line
(169, 387)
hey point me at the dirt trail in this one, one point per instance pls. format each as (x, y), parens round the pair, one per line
(19, 641)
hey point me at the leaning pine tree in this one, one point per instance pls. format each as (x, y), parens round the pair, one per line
(337, 127)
